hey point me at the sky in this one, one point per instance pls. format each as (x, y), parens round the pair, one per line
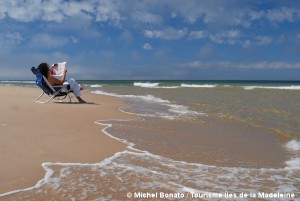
(152, 39)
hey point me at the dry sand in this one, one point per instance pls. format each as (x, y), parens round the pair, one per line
(33, 133)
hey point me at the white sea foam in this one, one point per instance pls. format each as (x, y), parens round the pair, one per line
(145, 84)
(96, 85)
(293, 145)
(151, 98)
(153, 85)
(174, 110)
(169, 87)
(293, 163)
(18, 81)
(272, 87)
(199, 86)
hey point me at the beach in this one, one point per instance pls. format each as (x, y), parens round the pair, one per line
(155, 140)
(33, 133)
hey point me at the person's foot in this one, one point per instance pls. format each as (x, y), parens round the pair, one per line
(80, 100)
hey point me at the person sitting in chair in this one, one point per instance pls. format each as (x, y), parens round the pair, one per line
(75, 87)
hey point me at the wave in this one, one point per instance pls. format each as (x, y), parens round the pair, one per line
(19, 82)
(153, 85)
(145, 84)
(174, 110)
(272, 87)
(96, 85)
(156, 85)
(198, 85)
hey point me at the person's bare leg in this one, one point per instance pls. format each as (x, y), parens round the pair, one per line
(80, 100)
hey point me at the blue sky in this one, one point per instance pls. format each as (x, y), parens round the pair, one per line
(152, 39)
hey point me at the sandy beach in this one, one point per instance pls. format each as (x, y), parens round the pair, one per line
(33, 133)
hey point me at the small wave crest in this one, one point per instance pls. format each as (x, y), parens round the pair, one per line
(18, 82)
(153, 85)
(145, 84)
(96, 85)
(174, 110)
(272, 87)
(198, 85)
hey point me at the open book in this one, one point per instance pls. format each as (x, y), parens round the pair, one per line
(57, 69)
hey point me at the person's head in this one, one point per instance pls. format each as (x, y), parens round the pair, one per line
(44, 69)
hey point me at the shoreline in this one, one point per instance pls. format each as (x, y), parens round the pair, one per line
(35, 134)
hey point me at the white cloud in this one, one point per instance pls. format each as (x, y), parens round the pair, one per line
(44, 40)
(52, 10)
(239, 65)
(74, 40)
(107, 11)
(131, 12)
(168, 33)
(283, 14)
(147, 46)
(197, 35)
(227, 37)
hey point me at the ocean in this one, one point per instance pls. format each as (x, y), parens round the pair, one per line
(194, 140)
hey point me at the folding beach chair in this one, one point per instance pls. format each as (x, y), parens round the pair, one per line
(58, 92)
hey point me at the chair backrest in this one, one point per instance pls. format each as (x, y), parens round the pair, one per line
(42, 82)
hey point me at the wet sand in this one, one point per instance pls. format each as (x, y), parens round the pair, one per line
(33, 133)
(214, 142)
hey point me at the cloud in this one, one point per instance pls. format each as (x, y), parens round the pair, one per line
(108, 11)
(44, 40)
(239, 65)
(52, 10)
(197, 34)
(9, 40)
(119, 13)
(231, 37)
(147, 46)
(167, 33)
(283, 14)
(226, 37)
(74, 39)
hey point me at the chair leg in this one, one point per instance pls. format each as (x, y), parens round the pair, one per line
(70, 97)
(36, 100)
(46, 100)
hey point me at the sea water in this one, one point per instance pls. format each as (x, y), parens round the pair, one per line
(195, 140)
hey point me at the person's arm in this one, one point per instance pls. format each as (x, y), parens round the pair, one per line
(54, 81)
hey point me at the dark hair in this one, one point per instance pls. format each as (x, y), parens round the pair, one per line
(44, 68)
